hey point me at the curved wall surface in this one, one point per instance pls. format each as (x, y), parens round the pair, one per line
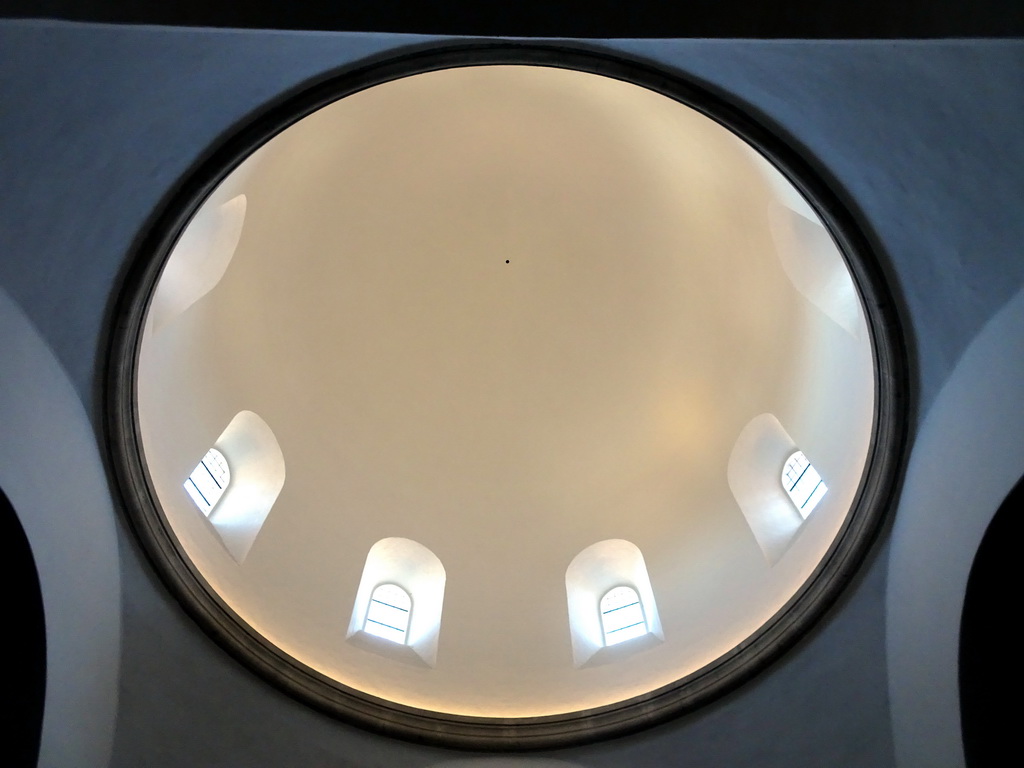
(942, 519)
(51, 471)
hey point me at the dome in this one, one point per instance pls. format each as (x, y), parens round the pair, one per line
(527, 345)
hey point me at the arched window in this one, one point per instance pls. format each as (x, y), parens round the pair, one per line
(803, 483)
(610, 600)
(622, 615)
(199, 259)
(774, 484)
(388, 613)
(398, 575)
(236, 499)
(208, 481)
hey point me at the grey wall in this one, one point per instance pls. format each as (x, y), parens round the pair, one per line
(51, 471)
(920, 139)
(942, 520)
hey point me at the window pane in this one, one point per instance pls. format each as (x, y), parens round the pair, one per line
(794, 468)
(622, 615)
(814, 497)
(626, 633)
(388, 613)
(803, 483)
(208, 481)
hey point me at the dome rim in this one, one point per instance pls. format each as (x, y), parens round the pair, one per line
(836, 569)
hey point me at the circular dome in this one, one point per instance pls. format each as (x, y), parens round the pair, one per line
(482, 402)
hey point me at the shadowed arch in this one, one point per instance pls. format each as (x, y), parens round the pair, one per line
(987, 641)
(27, 645)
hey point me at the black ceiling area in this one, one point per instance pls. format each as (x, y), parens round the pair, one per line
(879, 19)
(985, 638)
(27, 680)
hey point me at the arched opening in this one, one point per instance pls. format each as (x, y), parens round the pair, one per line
(399, 602)
(208, 481)
(988, 640)
(803, 483)
(202, 256)
(388, 614)
(237, 493)
(622, 615)
(774, 484)
(26, 681)
(610, 600)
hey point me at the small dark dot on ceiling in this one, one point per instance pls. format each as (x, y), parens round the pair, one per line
(506, 261)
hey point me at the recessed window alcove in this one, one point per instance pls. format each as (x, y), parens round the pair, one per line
(611, 606)
(397, 609)
(537, 334)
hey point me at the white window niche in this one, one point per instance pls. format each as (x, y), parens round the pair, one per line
(257, 474)
(807, 252)
(396, 566)
(815, 267)
(757, 475)
(199, 259)
(598, 582)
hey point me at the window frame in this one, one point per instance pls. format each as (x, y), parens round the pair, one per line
(605, 632)
(813, 498)
(218, 457)
(370, 609)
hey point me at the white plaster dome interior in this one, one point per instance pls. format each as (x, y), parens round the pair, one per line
(506, 390)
